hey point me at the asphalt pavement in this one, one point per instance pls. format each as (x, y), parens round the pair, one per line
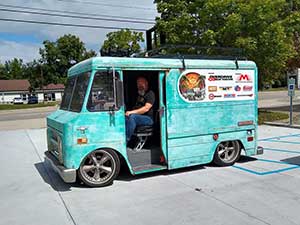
(26, 114)
(25, 118)
(277, 99)
(256, 190)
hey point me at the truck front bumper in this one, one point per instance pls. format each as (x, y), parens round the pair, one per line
(68, 175)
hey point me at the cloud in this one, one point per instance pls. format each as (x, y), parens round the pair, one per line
(25, 51)
(93, 38)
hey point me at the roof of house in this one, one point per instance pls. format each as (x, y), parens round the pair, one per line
(54, 86)
(14, 85)
(24, 85)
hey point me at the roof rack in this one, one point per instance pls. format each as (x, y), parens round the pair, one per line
(194, 52)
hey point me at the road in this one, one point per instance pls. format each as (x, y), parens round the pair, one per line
(24, 118)
(273, 99)
(25, 114)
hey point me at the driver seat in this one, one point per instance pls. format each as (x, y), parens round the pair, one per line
(142, 133)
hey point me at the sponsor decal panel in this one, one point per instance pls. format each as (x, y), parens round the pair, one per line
(212, 88)
(229, 95)
(208, 85)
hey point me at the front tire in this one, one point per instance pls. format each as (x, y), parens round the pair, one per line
(99, 168)
(227, 153)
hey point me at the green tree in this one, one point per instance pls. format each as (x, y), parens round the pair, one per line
(122, 43)
(57, 57)
(12, 69)
(3, 74)
(292, 23)
(33, 72)
(262, 28)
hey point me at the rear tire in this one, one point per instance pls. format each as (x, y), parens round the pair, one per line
(227, 153)
(99, 168)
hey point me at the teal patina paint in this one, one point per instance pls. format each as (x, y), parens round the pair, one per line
(186, 128)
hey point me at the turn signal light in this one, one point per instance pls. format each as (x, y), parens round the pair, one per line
(215, 137)
(81, 141)
(250, 138)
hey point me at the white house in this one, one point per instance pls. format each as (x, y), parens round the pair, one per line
(9, 89)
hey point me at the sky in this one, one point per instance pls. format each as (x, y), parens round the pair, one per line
(23, 40)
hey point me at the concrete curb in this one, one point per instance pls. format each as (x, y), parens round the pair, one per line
(281, 125)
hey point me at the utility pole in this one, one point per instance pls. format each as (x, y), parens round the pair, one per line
(42, 81)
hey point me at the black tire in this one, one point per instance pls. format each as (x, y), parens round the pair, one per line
(227, 153)
(99, 168)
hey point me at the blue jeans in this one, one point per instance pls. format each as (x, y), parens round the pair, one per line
(134, 120)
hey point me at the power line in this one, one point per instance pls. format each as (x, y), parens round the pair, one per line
(69, 24)
(76, 17)
(105, 4)
(75, 13)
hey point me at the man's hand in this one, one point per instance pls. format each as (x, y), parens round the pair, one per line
(128, 113)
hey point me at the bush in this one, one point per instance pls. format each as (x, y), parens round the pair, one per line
(267, 116)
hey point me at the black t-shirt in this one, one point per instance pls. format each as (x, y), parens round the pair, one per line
(141, 101)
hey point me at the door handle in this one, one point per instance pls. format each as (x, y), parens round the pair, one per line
(111, 110)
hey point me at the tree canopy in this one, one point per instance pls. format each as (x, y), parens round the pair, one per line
(122, 43)
(267, 30)
(57, 57)
(12, 69)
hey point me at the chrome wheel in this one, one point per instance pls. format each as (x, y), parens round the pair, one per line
(227, 153)
(99, 168)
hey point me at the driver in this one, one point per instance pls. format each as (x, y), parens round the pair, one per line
(142, 113)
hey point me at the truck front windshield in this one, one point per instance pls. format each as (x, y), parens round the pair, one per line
(75, 91)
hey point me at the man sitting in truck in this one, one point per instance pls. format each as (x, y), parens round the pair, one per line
(142, 113)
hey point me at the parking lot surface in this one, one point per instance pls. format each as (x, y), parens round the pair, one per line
(256, 190)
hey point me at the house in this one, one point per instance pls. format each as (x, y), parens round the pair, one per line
(50, 92)
(10, 89)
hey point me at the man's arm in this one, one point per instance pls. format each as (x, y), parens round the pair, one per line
(141, 110)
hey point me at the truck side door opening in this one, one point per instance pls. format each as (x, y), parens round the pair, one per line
(151, 155)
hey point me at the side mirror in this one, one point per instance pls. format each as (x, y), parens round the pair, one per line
(120, 95)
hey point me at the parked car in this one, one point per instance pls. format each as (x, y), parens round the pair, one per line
(33, 100)
(18, 100)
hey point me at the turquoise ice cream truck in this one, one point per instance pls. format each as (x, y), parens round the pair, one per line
(205, 111)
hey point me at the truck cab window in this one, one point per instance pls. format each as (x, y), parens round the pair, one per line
(75, 91)
(68, 93)
(102, 97)
(79, 92)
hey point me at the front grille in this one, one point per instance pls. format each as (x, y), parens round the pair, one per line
(55, 144)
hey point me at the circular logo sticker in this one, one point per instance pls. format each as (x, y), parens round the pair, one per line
(192, 86)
